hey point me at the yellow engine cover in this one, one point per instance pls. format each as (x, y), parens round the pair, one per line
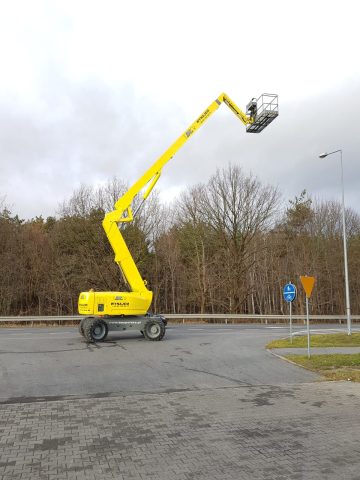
(114, 303)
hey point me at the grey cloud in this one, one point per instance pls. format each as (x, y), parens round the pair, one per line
(83, 134)
(286, 153)
(86, 133)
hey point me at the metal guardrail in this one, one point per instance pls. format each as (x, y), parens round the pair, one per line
(238, 318)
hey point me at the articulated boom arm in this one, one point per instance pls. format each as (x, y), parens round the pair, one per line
(154, 172)
(123, 211)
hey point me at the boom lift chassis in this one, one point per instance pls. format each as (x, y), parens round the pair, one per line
(120, 311)
(96, 329)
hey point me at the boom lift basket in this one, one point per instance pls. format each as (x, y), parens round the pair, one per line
(266, 109)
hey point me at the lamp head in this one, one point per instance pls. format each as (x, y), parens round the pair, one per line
(323, 155)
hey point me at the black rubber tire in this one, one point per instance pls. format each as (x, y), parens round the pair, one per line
(160, 317)
(80, 326)
(95, 330)
(82, 323)
(154, 330)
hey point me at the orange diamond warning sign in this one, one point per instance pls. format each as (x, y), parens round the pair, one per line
(308, 284)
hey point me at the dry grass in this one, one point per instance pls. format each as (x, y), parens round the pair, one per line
(332, 367)
(323, 340)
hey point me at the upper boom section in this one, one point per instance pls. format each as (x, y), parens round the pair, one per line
(151, 176)
(260, 112)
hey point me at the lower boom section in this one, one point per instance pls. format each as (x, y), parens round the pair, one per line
(96, 329)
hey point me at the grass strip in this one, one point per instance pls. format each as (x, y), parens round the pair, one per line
(332, 367)
(323, 340)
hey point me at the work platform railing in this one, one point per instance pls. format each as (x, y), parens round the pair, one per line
(267, 109)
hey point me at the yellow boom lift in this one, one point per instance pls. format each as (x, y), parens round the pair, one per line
(107, 311)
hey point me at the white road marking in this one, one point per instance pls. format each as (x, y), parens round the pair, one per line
(276, 327)
(58, 333)
(324, 330)
(32, 337)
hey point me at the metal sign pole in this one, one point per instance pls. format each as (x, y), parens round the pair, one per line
(308, 326)
(289, 293)
(308, 284)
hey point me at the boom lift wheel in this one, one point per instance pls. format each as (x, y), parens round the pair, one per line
(80, 326)
(82, 323)
(154, 330)
(95, 330)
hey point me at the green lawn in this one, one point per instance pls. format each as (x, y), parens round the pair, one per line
(333, 367)
(326, 340)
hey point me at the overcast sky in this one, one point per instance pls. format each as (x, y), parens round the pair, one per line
(93, 89)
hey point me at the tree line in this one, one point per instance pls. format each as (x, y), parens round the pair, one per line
(225, 246)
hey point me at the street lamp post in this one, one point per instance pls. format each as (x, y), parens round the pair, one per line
(347, 295)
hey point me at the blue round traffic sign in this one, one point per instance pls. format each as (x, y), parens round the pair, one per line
(289, 292)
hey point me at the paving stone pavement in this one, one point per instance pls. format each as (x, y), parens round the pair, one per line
(306, 431)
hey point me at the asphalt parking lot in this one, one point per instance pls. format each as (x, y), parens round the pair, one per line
(207, 402)
(57, 361)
